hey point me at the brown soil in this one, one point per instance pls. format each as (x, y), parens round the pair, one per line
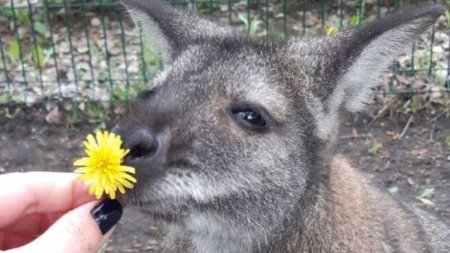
(405, 166)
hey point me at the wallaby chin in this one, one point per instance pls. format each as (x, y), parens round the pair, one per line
(234, 145)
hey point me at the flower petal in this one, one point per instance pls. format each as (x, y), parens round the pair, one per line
(129, 178)
(102, 168)
(81, 170)
(128, 169)
(82, 161)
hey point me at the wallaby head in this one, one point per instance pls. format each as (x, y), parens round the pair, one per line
(239, 133)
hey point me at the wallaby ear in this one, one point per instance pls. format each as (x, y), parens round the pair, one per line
(366, 52)
(356, 59)
(171, 30)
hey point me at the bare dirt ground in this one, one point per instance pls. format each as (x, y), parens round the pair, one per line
(414, 168)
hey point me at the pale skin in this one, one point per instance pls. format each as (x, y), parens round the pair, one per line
(47, 212)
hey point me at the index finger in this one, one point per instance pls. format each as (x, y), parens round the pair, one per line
(39, 192)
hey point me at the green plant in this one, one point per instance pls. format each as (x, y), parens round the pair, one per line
(7, 12)
(425, 61)
(93, 112)
(25, 26)
(447, 14)
(103, 75)
(73, 117)
(10, 115)
(438, 77)
(20, 14)
(358, 18)
(204, 8)
(119, 94)
(40, 28)
(155, 60)
(251, 25)
(19, 98)
(4, 98)
(375, 148)
(97, 113)
(425, 196)
(354, 20)
(137, 86)
(151, 63)
(447, 141)
(49, 93)
(14, 51)
(413, 107)
(447, 18)
(104, 2)
(38, 56)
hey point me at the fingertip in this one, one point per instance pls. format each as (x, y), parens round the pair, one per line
(39, 192)
(106, 214)
(75, 232)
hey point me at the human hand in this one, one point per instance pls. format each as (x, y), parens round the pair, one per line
(51, 212)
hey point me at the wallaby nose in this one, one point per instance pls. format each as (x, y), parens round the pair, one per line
(140, 141)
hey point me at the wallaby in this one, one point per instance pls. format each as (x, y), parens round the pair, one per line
(235, 145)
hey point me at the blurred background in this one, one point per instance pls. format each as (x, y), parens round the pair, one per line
(68, 67)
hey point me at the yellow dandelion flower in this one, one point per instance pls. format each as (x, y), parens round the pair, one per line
(102, 167)
(331, 31)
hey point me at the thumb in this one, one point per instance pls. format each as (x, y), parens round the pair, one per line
(82, 230)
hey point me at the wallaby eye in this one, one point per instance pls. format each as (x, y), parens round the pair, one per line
(251, 117)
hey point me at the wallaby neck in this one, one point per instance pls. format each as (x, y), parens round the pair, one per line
(251, 230)
(342, 219)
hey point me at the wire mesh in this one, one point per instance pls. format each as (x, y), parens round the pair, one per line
(87, 50)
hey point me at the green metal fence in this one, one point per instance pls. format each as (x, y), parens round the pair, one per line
(87, 50)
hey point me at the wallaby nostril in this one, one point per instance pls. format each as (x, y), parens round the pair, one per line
(142, 149)
(141, 143)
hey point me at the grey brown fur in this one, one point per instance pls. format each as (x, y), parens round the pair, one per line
(224, 181)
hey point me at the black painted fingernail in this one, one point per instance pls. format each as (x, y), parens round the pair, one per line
(106, 214)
